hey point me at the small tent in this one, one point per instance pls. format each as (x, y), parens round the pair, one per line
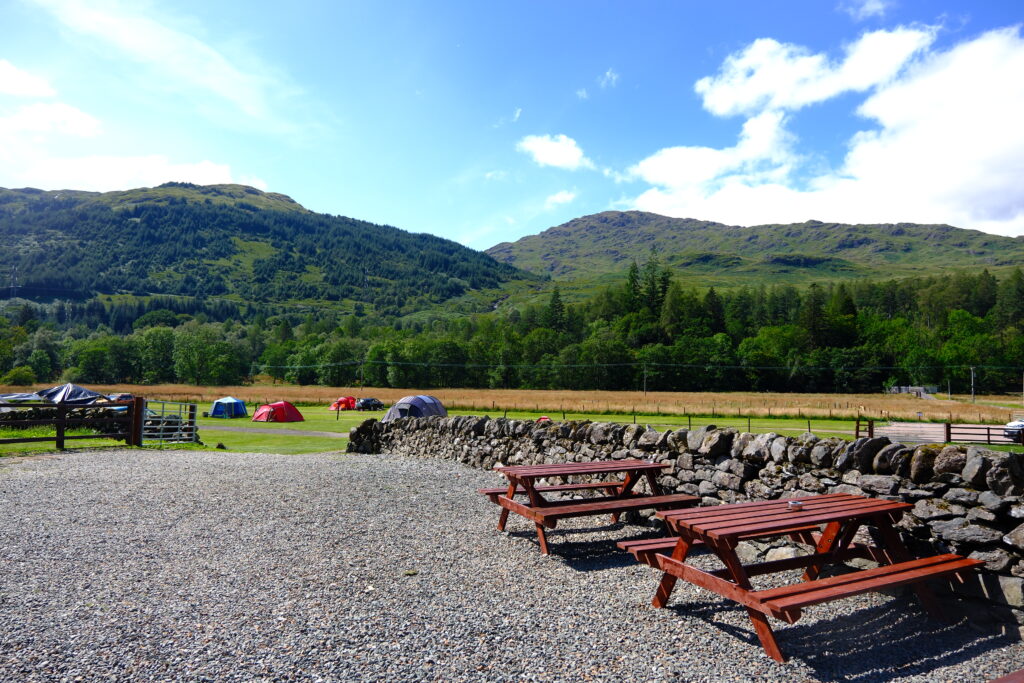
(229, 406)
(344, 403)
(282, 411)
(415, 406)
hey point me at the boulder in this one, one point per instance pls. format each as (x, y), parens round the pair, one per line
(959, 530)
(950, 460)
(1015, 538)
(881, 484)
(864, 456)
(929, 509)
(717, 443)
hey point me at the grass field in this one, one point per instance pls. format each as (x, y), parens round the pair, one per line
(987, 409)
(788, 414)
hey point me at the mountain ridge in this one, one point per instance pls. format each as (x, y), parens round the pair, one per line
(607, 242)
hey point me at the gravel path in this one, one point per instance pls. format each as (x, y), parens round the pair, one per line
(222, 566)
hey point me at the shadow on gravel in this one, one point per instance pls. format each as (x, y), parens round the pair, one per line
(872, 644)
(582, 555)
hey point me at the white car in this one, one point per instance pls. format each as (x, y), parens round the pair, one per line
(1012, 430)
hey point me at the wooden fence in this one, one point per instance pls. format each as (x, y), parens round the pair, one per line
(120, 420)
(938, 432)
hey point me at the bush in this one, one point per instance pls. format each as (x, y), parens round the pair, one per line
(20, 376)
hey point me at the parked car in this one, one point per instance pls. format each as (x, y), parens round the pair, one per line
(1012, 430)
(369, 404)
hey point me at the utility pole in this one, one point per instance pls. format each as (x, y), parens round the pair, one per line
(14, 281)
(972, 384)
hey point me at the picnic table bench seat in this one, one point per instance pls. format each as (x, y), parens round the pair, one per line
(609, 486)
(563, 509)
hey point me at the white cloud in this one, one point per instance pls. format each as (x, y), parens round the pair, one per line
(559, 198)
(945, 145)
(104, 173)
(772, 75)
(515, 115)
(864, 9)
(183, 61)
(495, 175)
(582, 94)
(554, 150)
(609, 79)
(15, 81)
(49, 117)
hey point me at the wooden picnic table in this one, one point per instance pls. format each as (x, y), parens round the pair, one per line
(721, 527)
(620, 496)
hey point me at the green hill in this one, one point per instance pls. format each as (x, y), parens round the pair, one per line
(228, 241)
(589, 247)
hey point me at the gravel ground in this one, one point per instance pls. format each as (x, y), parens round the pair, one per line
(221, 566)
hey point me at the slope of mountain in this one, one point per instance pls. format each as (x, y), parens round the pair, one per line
(604, 243)
(227, 241)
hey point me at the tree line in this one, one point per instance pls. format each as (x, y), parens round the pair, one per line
(646, 332)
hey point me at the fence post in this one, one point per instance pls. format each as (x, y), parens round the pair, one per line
(62, 412)
(871, 429)
(949, 432)
(856, 429)
(135, 427)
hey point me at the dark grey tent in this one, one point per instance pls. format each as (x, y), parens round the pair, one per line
(415, 406)
(72, 394)
(19, 398)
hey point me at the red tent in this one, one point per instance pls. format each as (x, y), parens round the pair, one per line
(282, 411)
(344, 403)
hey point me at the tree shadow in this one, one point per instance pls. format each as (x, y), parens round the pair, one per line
(873, 644)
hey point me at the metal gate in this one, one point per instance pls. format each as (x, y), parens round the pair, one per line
(166, 422)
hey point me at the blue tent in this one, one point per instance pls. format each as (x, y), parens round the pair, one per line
(415, 406)
(228, 407)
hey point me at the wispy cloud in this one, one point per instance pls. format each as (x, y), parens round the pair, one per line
(183, 61)
(609, 79)
(582, 94)
(559, 151)
(559, 198)
(14, 81)
(865, 9)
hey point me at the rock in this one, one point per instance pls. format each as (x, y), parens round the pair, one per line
(922, 464)
(882, 461)
(876, 483)
(821, 454)
(798, 453)
(864, 456)
(936, 509)
(961, 496)
(717, 443)
(740, 444)
(1015, 538)
(980, 515)
(997, 560)
(759, 449)
(847, 488)
(778, 448)
(993, 502)
(599, 433)
(950, 460)
(851, 476)
(1005, 476)
(978, 464)
(844, 459)
(784, 553)
(695, 438)
(631, 434)
(649, 439)
(726, 480)
(959, 530)
(808, 482)
(706, 488)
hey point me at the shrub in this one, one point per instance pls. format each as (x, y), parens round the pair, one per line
(20, 376)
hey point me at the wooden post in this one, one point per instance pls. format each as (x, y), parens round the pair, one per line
(62, 413)
(949, 432)
(137, 411)
(856, 429)
(871, 429)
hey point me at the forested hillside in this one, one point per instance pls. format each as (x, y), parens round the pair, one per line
(230, 242)
(725, 255)
(646, 330)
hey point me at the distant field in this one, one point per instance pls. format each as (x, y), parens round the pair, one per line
(988, 409)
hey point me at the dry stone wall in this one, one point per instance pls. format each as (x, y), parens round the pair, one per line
(967, 499)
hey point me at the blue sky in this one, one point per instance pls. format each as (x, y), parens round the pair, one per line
(487, 121)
